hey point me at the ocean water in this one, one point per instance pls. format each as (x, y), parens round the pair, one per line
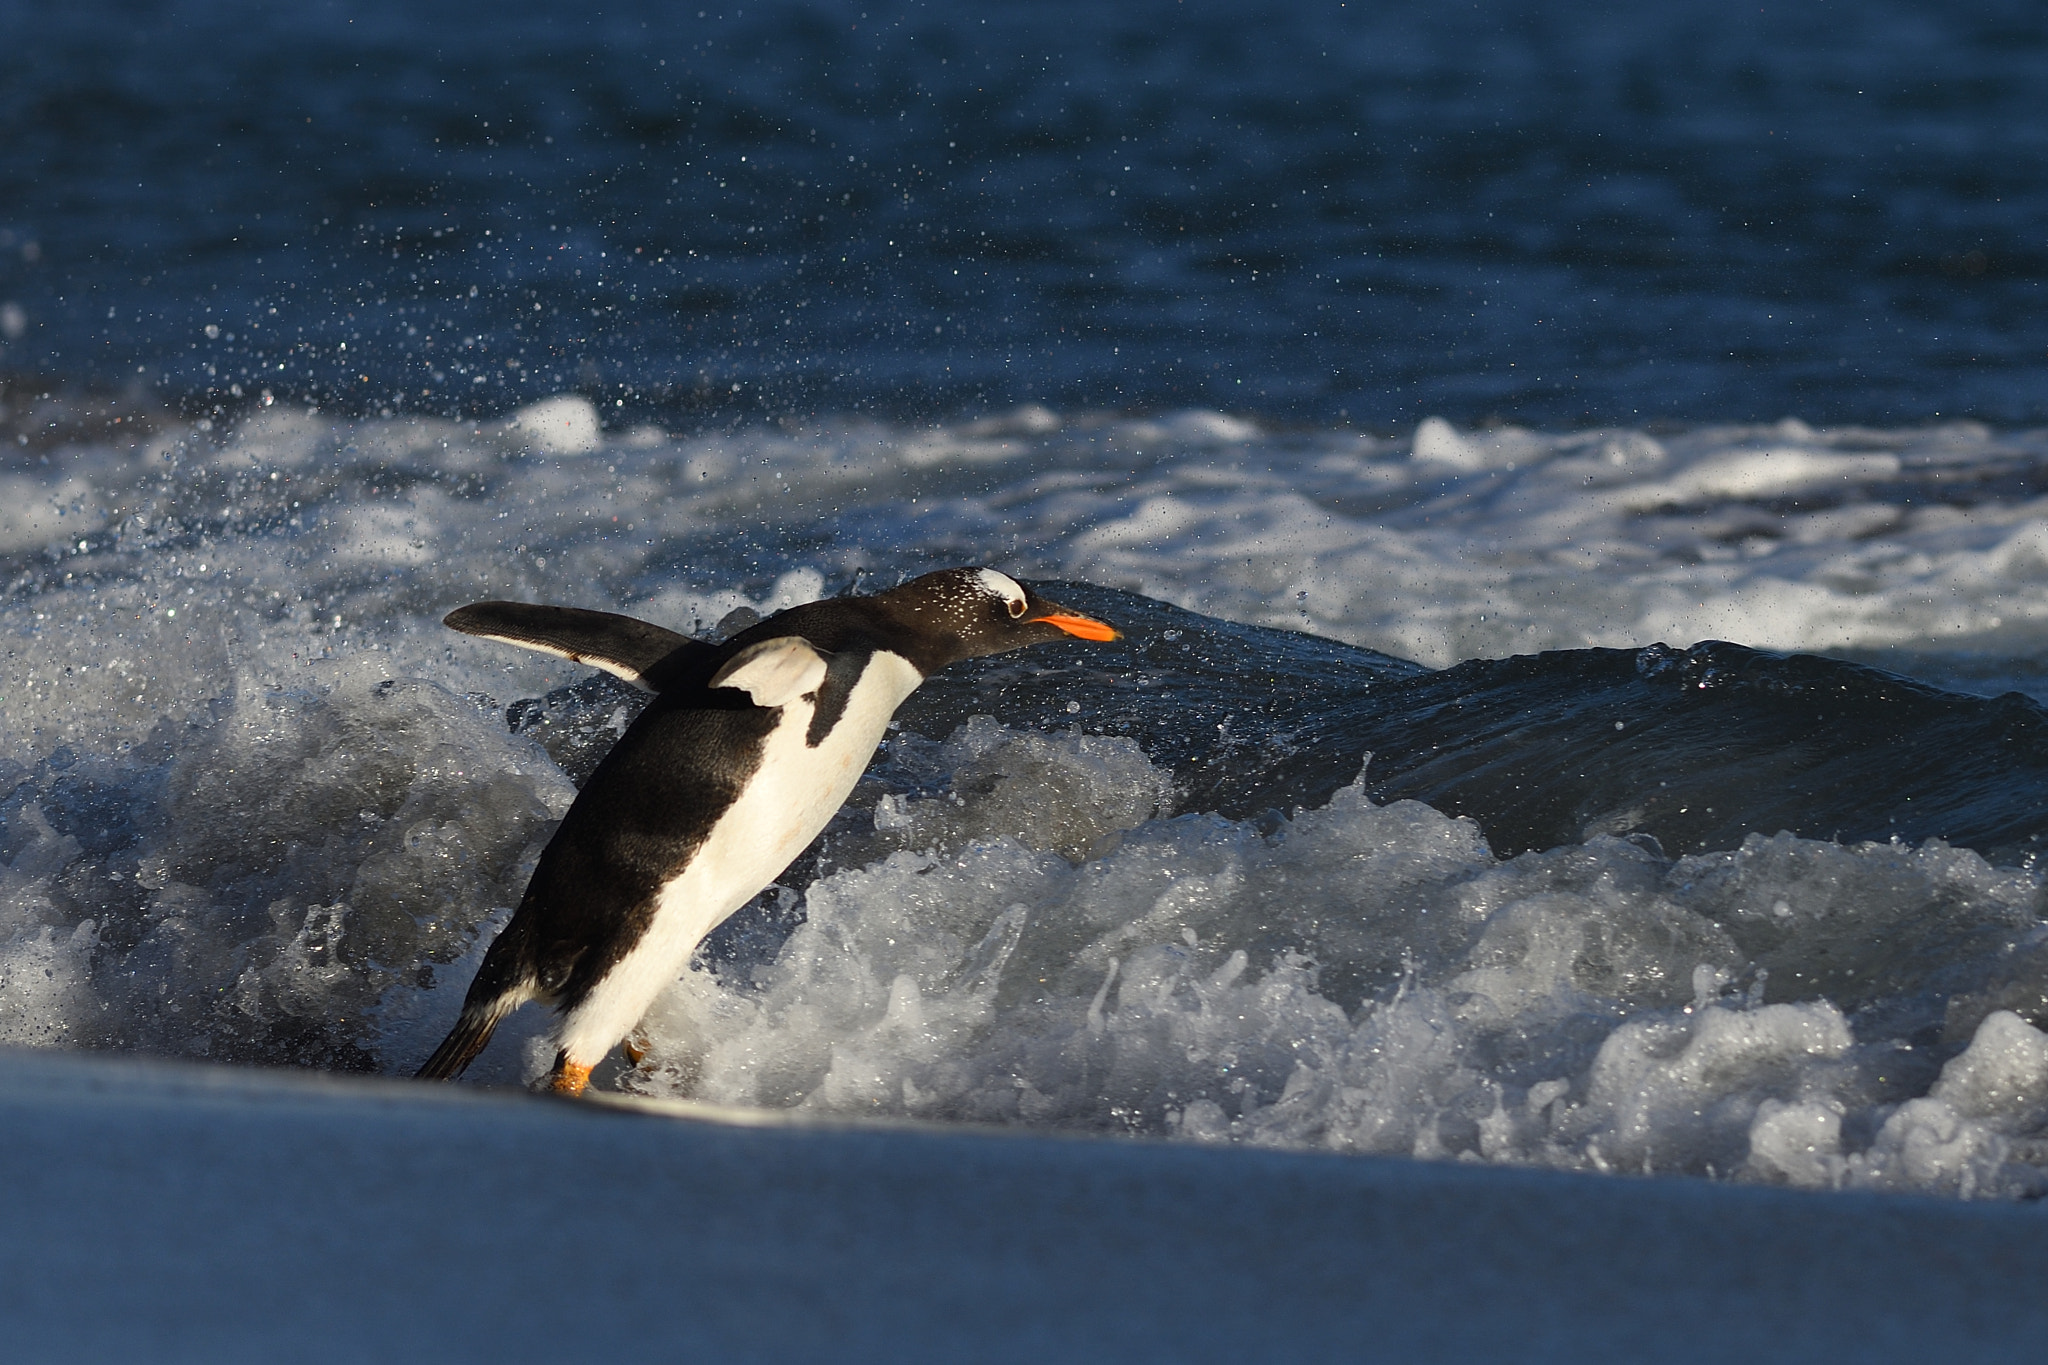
(1660, 916)
(1371, 210)
(1573, 488)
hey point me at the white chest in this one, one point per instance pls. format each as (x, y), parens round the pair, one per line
(797, 788)
(792, 795)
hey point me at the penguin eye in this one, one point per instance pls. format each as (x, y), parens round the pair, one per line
(1016, 605)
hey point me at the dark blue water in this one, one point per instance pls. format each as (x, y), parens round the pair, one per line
(1695, 748)
(1561, 213)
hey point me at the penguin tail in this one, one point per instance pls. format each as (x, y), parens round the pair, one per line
(505, 981)
(472, 1032)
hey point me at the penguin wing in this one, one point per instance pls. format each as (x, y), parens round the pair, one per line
(643, 654)
(774, 672)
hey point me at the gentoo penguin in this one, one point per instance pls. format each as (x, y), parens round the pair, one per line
(746, 752)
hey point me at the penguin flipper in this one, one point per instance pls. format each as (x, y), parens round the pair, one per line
(775, 672)
(643, 654)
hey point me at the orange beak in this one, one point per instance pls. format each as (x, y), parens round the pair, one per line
(1081, 627)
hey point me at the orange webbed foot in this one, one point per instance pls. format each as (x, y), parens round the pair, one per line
(568, 1078)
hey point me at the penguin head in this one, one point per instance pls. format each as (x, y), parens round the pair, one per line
(966, 613)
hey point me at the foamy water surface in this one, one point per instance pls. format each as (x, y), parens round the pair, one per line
(261, 806)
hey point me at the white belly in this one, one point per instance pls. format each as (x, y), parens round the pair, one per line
(793, 795)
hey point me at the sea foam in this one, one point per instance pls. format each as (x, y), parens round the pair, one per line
(258, 805)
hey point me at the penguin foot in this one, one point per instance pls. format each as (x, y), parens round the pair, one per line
(568, 1078)
(636, 1047)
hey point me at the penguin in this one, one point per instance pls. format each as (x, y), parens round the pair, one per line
(747, 750)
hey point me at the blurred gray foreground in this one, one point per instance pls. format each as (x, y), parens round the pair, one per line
(178, 1212)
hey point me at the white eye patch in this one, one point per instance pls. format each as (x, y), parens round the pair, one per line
(1003, 588)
